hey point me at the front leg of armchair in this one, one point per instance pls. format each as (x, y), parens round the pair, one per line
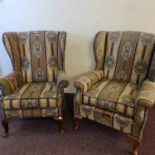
(6, 127)
(8, 85)
(77, 103)
(145, 99)
(60, 121)
(4, 120)
(60, 118)
(62, 83)
(76, 122)
(136, 143)
(138, 127)
(83, 84)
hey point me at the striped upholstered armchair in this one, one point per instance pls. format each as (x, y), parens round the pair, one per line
(119, 92)
(36, 86)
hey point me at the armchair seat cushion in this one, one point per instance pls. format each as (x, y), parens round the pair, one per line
(113, 95)
(32, 96)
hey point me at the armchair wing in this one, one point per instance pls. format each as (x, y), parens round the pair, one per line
(88, 79)
(10, 83)
(146, 96)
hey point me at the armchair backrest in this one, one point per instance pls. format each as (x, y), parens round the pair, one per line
(38, 55)
(125, 55)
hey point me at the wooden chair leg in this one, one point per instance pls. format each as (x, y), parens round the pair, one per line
(61, 126)
(6, 127)
(135, 147)
(76, 123)
(136, 143)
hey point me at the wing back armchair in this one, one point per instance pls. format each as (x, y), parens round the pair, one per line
(119, 92)
(36, 86)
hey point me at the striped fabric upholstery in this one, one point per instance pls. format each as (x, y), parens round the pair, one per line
(116, 96)
(11, 82)
(124, 55)
(146, 96)
(32, 96)
(38, 55)
(108, 118)
(86, 81)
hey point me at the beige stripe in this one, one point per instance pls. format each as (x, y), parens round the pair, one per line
(10, 83)
(126, 93)
(20, 91)
(127, 99)
(112, 91)
(48, 89)
(89, 79)
(18, 77)
(34, 90)
(16, 101)
(98, 73)
(97, 88)
(12, 36)
(13, 80)
(100, 48)
(94, 92)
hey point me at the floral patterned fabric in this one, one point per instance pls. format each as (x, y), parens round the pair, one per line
(38, 55)
(107, 118)
(127, 55)
(33, 96)
(33, 113)
(116, 96)
(119, 98)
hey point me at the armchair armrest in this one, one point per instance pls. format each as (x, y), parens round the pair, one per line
(88, 79)
(62, 80)
(146, 96)
(10, 83)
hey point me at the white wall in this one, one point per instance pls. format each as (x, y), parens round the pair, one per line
(82, 19)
